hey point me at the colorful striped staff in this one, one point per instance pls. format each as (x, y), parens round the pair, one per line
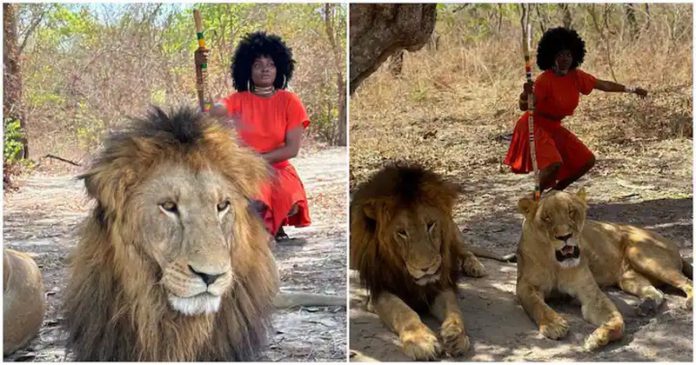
(526, 44)
(201, 71)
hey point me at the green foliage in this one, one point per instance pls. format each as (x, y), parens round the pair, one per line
(12, 141)
(87, 66)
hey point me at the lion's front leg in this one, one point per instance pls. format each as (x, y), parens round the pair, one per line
(550, 323)
(417, 340)
(599, 310)
(471, 266)
(454, 337)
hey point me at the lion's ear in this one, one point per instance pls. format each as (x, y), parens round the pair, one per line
(582, 195)
(526, 205)
(377, 210)
(110, 177)
(370, 210)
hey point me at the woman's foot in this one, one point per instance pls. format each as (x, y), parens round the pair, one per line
(281, 236)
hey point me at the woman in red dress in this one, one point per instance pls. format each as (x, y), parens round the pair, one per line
(561, 157)
(271, 120)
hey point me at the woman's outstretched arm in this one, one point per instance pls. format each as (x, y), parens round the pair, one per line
(611, 86)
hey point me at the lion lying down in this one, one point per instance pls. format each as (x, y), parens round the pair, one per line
(408, 251)
(561, 251)
(23, 300)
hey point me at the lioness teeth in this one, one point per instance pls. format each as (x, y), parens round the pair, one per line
(567, 252)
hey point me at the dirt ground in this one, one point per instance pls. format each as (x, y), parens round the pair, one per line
(643, 176)
(41, 219)
(499, 328)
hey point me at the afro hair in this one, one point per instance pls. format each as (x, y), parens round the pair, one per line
(255, 45)
(558, 39)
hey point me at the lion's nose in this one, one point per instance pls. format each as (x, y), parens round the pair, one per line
(564, 238)
(430, 268)
(207, 278)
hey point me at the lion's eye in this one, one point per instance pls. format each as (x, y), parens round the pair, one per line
(223, 205)
(571, 211)
(431, 226)
(169, 206)
(402, 233)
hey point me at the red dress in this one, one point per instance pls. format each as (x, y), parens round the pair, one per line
(262, 124)
(556, 97)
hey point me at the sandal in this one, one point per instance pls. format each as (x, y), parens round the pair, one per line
(281, 236)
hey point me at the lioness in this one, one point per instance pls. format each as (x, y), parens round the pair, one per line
(560, 251)
(23, 300)
(407, 250)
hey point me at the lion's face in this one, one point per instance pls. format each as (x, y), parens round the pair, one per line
(418, 238)
(559, 218)
(187, 223)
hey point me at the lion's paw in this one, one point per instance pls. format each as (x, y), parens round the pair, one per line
(651, 301)
(689, 302)
(454, 338)
(473, 267)
(597, 339)
(421, 344)
(554, 330)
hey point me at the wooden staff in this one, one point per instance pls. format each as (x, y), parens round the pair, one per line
(526, 44)
(201, 71)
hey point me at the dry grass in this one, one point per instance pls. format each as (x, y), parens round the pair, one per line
(451, 105)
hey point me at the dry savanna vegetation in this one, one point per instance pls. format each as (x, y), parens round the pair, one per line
(457, 97)
(450, 109)
(82, 69)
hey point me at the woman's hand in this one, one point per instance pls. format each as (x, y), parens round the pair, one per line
(528, 88)
(641, 92)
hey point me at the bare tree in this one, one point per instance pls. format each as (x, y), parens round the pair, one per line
(631, 19)
(329, 16)
(379, 30)
(567, 16)
(12, 75)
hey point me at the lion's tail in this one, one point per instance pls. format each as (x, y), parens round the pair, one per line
(687, 268)
(482, 252)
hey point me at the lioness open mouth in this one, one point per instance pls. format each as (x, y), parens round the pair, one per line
(567, 252)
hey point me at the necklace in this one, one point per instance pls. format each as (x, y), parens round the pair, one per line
(264, 91)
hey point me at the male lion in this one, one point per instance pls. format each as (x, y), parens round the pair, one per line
(560, 251)
(407, 250)
(172, 264)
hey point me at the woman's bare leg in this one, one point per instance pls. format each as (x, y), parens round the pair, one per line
(547, 176)
(585, 168)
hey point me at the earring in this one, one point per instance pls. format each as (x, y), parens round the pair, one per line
(285, 82)
(248, 85)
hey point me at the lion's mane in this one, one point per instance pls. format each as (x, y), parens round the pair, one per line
(105, 321)
(374, 252)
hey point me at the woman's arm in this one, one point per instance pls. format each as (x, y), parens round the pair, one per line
(610, 86)
(293, 140)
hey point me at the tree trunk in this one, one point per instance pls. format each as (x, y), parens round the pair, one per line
(377, 31)
(631, 19)
(12, 77)
(567, 16)
(342, 139)
(396, 63)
